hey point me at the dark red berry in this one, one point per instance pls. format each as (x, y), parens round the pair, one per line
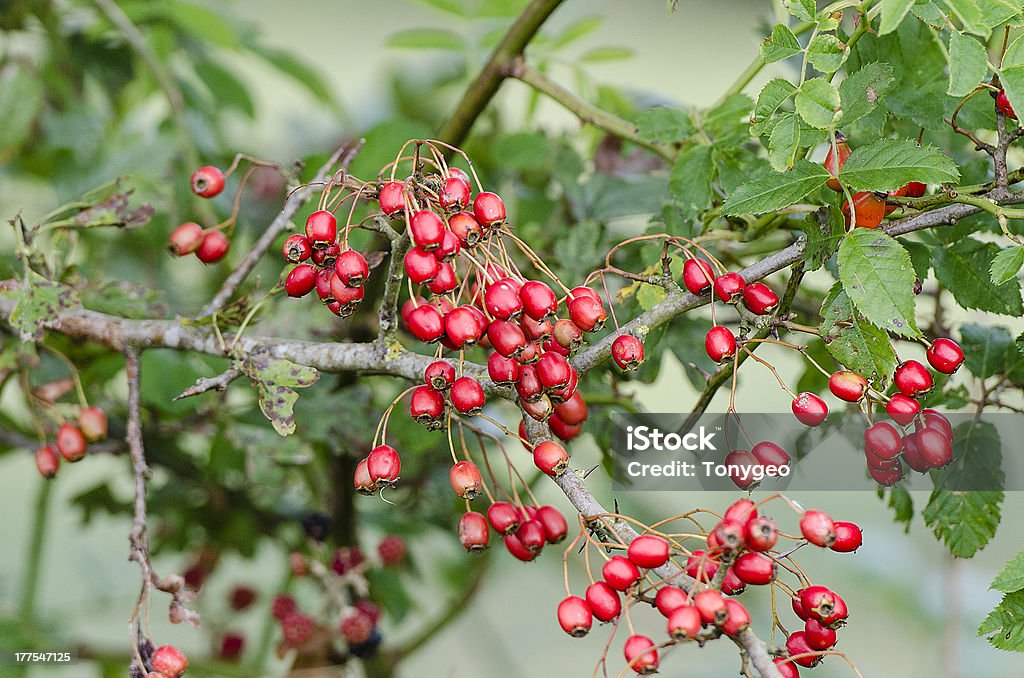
(720, 343)
(426, 406)
(213, 248)
(697, 275)
(742, 465)
(296, 248)
(770, 455)
(628, 352)
(531, 535)
(759, 298)
(603, 601)
(351, 268)
(818, 637)
(938, 421)
(554, 523)
(849, 537)
(231, 647)
(454, 194)
(883, 440)
(620, 573)
(1003, 104)
(439, 375)
(729, 287)
(573, 411)
(391, 550)
(207, 182)
(518, 549)
(464, 325)
(300, 280)
(933, 447)
(321, 228)
(913, 379)
(945, 355)
(587, 313)
(488, 209)
(467, 396)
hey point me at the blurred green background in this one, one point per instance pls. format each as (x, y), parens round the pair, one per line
(914, 611)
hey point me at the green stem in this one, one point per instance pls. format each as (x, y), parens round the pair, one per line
(34, 562)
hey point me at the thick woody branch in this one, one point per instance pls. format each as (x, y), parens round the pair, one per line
(343, 158)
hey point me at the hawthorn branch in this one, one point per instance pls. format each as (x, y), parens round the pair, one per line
(479, 94)
(343, 158)
(204, 384)
(387, 323)
(585, 111)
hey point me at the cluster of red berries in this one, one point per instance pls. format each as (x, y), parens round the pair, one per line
(167, 661)
(71, 441)
(525, 529)
(232, 643)
(868, 206)
(208, 244)
(743, 542)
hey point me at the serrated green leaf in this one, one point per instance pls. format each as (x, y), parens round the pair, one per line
(1011, 578)
(1006, 265)
(650, 295)
(920, 257)
(274, 380)
(893, 13)
(969, 14)
(996, 12)
(1006, 624)
(602, 54)
(826, 52)
(427, 38)
(854, 342)
(664, 125)
(1014, 55)
(781, 44)
(38, 302)
(728, 119)
(783, 142)
(876, 273)
(888, 164)
(963, 268)
(968, 64)
(692, 174)
(825, 230)
(988, 349)
(902, 505)
(805, 10)
(771, 97)
(817, 102)
(861, 91)
(775, 190)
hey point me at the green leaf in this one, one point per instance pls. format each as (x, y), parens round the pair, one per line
(855, 343)
(299, 71)
(579, 29)
(817, 102)
(1006, 265)
(784, 142)
(390, 592)
(893, 13)
(227, 89)
(825, 230)
(1012, 79)
(964, 269)
(902, 505)
(772, 96)
(775, 190)
(920, 257)
(650, 295)
(805, 10)
(37, 303)
(969, 14)
(888, 164)
(1006, 623)
(523, 151)
(781, 44)
(729, 118)
(664, 125)
(967, 520)
(274, 378)
(1011, 578)
(988, 349)
(876, 272)
(826, 53)
(968, 64)
(691, 178)
(602, 54)
(996, 12)
(21, 100)
(427, 38)
(861, 91)
(203, 23)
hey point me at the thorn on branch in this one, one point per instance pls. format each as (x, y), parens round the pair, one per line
(204, 384)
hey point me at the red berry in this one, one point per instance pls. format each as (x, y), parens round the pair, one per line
(464, 326)
(465, 480)
(573, 411)
(711, 606)
(488, 209)
(770, 455)
(563, 431)
(502, 370)
(185, 239)
(241, 598)
(797, 645)
(883, 440)
(427, 229)
(701, 566)
(902, 408)
(326, 256)
(356, 628)
(738, 620)
(912, 456)
(391, 549)
(869, 208)
(426, 406)
(642, 654)
(425, 323)
(685, 623)
(728, 535)
(539, 302)
(620, 573)
(502, 300)
(669, 599)
(554, 371)
(297, 629)
(449, 247)
(392, 198)
(818, 528)
(822, 604)
(628, 352)
(555, 526)
(231, 647)
(786, 669)
(742, 465)
(938, 421)
(323, 285)
(761, 534)
(729, 287)
(531, 535)
(603, 601)
(384, 464)
(759, 298)
(1003, 104)
(506, 338)
(361, 479)
(47, 461)
(587, 313)
(169, 661)
(567, 335)
(933, 447)
(913, 379)
(421, 266)
(648, 551)
(503, 517)
(467, 396)
(321, 228)
(466, 228)
(282, 606)
(93, 423)
(754, 568)
(213, 248)
(454, 194)
(849, 537)
(819, 637)
(945, 355)
(70, 442)
(300, 280)
(518, 549)
(886, 477)
(848, 386)
(473, 532)
(207, 182)
(741, 510)
(345, 295)
(351, 268)
(439, 375)
(697, 275)
(720, 343)
(551, 458)
(915, 189)
(809, 409)
(835, 159)
(574, 616)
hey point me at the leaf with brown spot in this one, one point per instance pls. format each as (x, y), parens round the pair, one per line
(274, 380)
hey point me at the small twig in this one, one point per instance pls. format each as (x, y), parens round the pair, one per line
(204, 384)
